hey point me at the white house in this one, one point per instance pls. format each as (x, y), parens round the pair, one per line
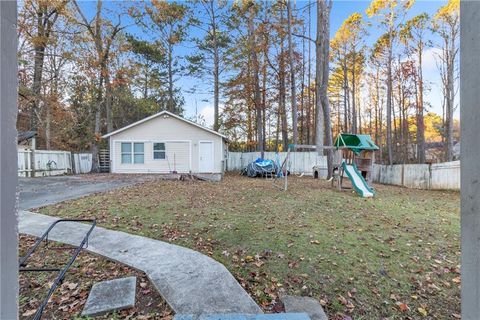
(164, 143)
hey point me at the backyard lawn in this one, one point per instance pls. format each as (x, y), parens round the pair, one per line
(394, 256)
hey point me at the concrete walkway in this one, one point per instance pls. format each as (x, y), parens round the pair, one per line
(189, 281)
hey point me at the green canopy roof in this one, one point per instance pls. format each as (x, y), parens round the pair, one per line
(355, 142)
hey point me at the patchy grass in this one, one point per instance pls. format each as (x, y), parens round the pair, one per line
(68, 300)
(394, 256)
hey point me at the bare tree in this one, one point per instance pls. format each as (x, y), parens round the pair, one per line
(42, 15)
(212, 48)
(390, 13)
(102, 34)
(447, 25)
(414, 31)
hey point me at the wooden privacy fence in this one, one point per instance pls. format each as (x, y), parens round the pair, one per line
(437, 176)
(300, 162)
(40, 163)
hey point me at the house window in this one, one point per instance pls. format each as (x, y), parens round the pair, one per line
(126, 152)
(133, 152)
(159, 151)
(138, 152)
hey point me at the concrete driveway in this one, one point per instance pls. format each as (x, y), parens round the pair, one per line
(39, 192)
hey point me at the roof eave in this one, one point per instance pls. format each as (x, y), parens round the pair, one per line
(157, 115)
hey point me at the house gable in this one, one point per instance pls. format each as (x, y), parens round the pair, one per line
(162, 114)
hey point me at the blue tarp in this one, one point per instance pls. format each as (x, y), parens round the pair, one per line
(260, 167)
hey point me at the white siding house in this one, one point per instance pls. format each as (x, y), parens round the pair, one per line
(165, 142)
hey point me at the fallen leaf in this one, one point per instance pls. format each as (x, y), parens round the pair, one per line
(422, 311)
(29, 313)
(403, 306)
(72, 286)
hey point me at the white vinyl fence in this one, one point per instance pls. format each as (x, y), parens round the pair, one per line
(82, 163)
(44, 163)
(438, 176)
(24, 161)
(40, 163)
(300, 162)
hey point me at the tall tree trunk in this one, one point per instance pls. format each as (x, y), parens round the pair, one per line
(48, 121)
(283, 111)
(377, 107)
(450, 98)
(277, 133)
(309, 97)
(283, 91)
(108, 102)
(171, 104)
(146, 82)
(354, 108)
(389, 102)
(319, 116)
(48, 107)
(400, 112)
(339, 117)
(45, 21)
(264, 93)
(302, 96)
(324, 129)
(359, 114)
(97, 38)
(406, 141)
(37, 85)
(291, 58)
(216, 71)
(324, 91)
(216, 91)
(346, 99)
(420, 120)
(256, 83)
(98, 112)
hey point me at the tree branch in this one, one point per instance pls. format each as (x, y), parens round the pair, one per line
(304, 37)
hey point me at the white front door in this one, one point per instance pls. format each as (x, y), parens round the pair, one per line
(205, 157)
